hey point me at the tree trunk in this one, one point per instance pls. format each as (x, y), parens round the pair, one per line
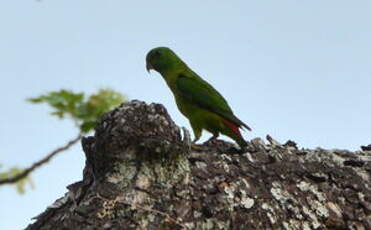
(142, 172)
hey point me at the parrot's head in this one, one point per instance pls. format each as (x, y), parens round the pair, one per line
(162, 59)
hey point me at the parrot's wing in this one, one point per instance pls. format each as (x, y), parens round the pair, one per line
(199, 92)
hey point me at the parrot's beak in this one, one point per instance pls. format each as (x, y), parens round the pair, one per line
(149, 66)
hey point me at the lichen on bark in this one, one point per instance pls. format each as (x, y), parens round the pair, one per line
(141, 173)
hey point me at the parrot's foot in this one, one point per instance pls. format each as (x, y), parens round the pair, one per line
(236, 150)
(197, 147)
(213, 138)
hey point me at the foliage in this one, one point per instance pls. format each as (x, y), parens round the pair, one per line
(21, 184)
(85, 112)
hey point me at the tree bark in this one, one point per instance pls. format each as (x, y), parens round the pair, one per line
(142, 172)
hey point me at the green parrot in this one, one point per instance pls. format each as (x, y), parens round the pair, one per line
(196, 99)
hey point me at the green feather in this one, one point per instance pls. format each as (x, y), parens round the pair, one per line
(203, 105)
(198, 91)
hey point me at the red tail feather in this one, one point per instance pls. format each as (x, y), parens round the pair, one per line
(233, 127)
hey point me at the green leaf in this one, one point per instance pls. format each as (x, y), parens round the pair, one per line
(87, 126)
(84, 112)
(21, 184)
(35, 100)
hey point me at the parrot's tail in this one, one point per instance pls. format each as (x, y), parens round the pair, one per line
(233, 127)
(235, 133)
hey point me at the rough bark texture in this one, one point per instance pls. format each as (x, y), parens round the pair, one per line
(141, 174)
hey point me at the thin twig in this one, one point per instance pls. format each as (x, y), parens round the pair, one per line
(27, 171)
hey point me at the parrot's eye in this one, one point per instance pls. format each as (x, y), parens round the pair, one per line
(157, 53)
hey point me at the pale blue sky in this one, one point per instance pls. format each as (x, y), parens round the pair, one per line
(293, 69)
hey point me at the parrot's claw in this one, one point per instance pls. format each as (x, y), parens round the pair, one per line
(196, 147)
(195, 140)
(213, 138)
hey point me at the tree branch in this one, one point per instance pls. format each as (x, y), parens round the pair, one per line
(27, 171)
